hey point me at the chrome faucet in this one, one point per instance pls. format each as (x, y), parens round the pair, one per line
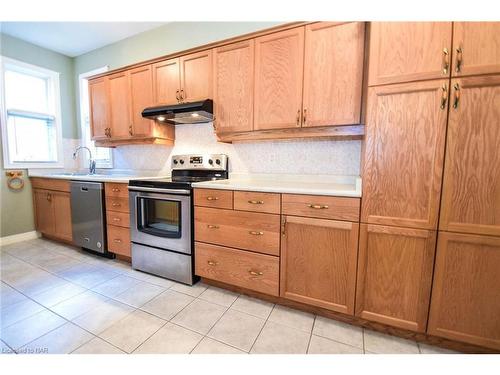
(91, 161)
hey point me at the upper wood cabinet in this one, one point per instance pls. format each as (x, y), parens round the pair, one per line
(333, 73)
(196, 76)
(99, 108)
(233, 87)
(119, 105)
(395, 275)
(465, 302)
(141, 96)
(318, 262)
(403, 161)
(409, 51)
(167, 82)
(279, 65)
(471, 187)
(476, 48)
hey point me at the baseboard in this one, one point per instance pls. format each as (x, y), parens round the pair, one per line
(7, 240)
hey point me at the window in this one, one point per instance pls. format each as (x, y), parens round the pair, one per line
(103, 156)
(30, 110)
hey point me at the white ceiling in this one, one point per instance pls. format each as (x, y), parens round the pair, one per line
(74, 38)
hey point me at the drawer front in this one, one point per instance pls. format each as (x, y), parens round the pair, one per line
(257, 202)
(116, 190)
(244, 230)
(50, 184)
(213, 198)
(120, 219)
(117, 204)
(320, 206)
(238, 267)
(119, 240)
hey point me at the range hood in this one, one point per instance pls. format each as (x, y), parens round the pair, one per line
(184, 113)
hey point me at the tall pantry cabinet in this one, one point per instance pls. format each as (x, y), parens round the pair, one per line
(416, 99)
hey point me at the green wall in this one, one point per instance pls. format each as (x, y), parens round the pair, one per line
(17, 206)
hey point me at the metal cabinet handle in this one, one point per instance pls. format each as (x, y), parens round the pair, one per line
(457, 95)
(304, 117)
(210, 226)
(177, 95)
(182, 94)
(255, 202)
(130, 130)
(458, 65)
(109, 132)
(212, 198)
(117, 240)
(117, 219)
(256, 233)
(255, 273)
(116, 204)
(318, 206)
(444, 96)
(446, 60)
(49, 197)
(115, 190)
(298, 117)
(212, 263)
(283, 226)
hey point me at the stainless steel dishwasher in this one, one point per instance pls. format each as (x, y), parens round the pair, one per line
(88, 216)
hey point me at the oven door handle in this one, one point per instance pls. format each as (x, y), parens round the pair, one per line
(159, 190)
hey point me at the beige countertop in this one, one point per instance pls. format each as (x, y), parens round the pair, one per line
(340, 186)
(118, 176)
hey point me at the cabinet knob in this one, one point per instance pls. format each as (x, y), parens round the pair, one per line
(256, 233)
(212, 198)
(211, 263)
(117, 240)
(210, 226)
(255, 273)
(116, 204)
(115, 190)
(255, 202)
(318, 206)
(117, 219)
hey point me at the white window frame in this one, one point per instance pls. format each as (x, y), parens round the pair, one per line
(82, 81)
(54, 81)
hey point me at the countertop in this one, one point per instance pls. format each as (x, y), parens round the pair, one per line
(340, 186)
(118, 176)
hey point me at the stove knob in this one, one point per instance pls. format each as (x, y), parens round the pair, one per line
(175, 161)
(182, 161)
(210, 161)
(217, 161)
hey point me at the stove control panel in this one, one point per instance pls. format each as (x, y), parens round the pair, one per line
(216, 162)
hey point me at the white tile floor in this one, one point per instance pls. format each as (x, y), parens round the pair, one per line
(58, 299)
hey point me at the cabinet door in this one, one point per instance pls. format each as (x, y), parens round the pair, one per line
(62, 214)
(166, 82)
(409, 51)
(465, 302)
(196, 76)
(141, 96)
(476, 48)
(99, 115)
(279, 66)
(119, 105)
(44, 211)
(395, 275)
(403, 161)
(471, 190)
(318, 262)
(333, 73)
(233, 87)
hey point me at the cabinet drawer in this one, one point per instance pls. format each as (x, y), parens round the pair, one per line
(257, 202)
(323, 207)
(116, 190)
(244, 230)
(237, 267)
(213, 198)
(117, 204)
(50, 184)
(119, 240)
(121, 219)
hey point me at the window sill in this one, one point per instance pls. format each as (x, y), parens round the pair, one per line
(55, 165)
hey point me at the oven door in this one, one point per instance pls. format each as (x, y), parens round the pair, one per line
(161, 220)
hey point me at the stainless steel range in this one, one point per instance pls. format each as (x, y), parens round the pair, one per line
(161, 216)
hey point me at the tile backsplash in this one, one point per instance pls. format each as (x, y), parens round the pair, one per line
(286, 156)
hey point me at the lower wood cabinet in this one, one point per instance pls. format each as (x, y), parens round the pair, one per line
(238, 267)
(318, 262)
(118, 218)
(465, 302)
(119, 240)
(395, 275)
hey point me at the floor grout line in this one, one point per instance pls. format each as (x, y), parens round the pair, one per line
(310, 336)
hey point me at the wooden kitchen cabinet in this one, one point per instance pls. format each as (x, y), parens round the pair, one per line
(409, 51)
(476, 48)
(404, 152)
(395, 275)
(234, 87)
(141, 97)
(44, 211)
(196, 76)
(333, 73)
(279, 66)
(62, 212)
(465, 302)
(471, 186)
(119, 105)
(166, 82)
(118, 218)
(99, 108)
(318, 262)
